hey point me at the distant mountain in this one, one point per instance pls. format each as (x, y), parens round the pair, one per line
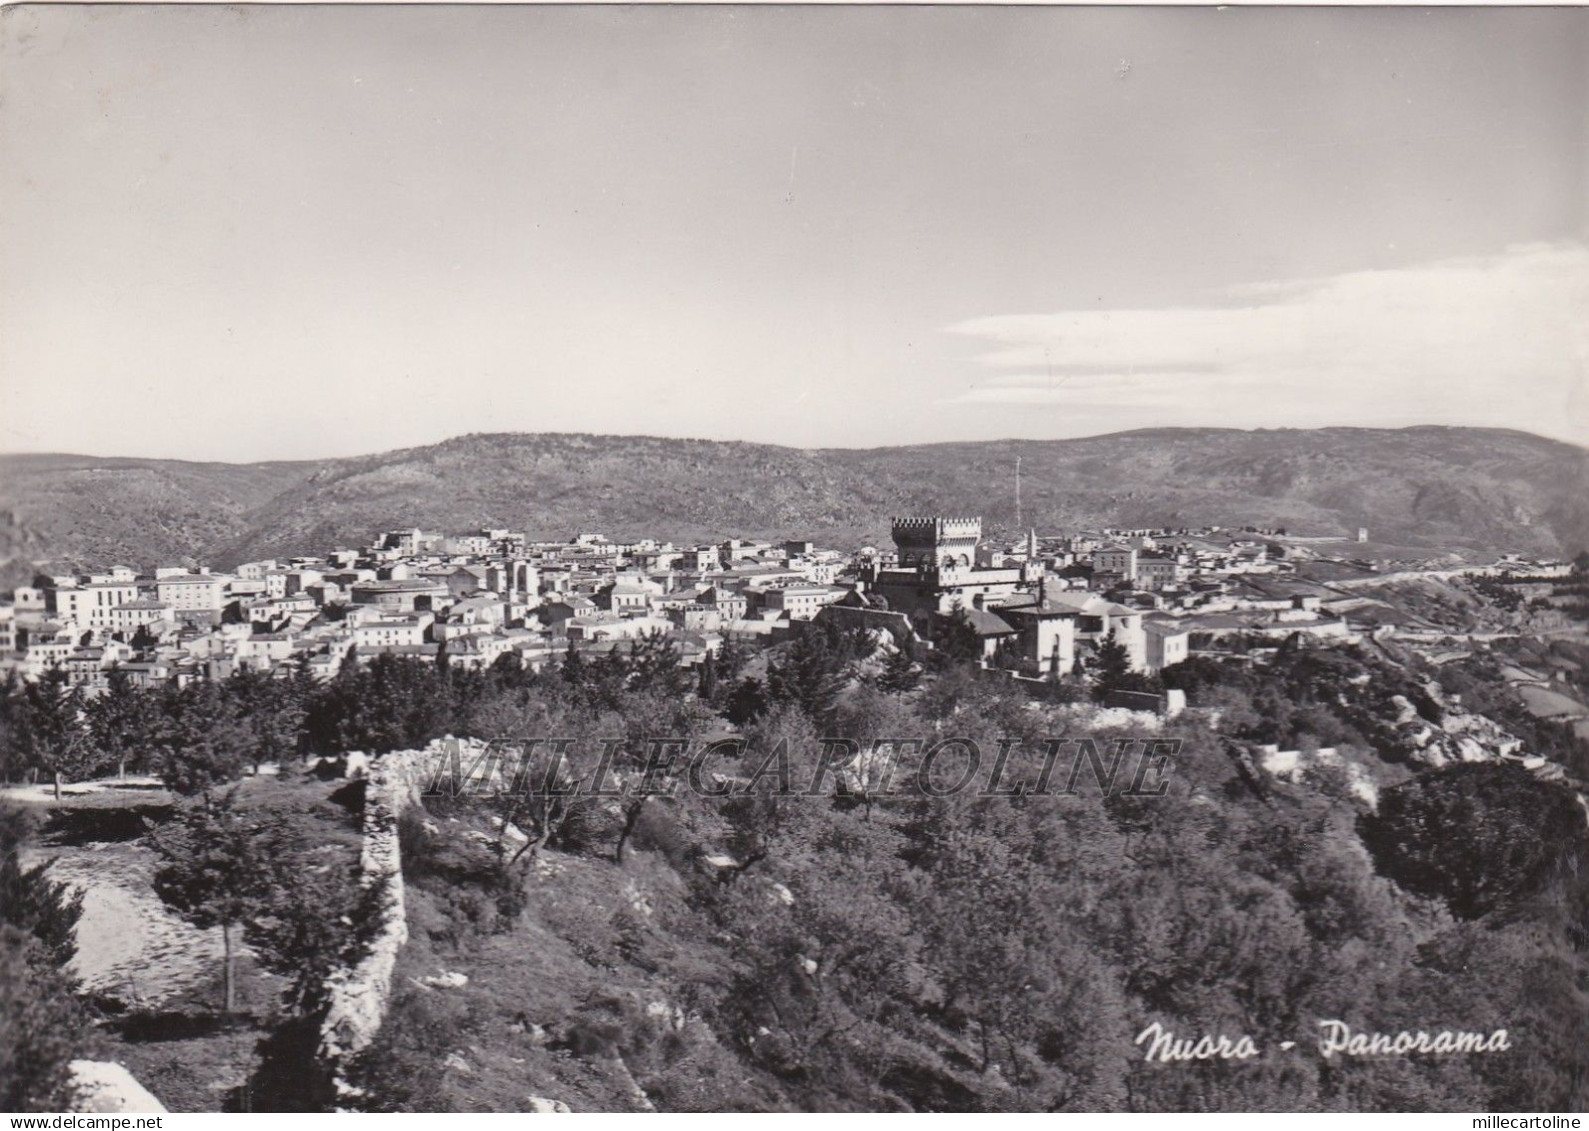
(92, 511)
(1429, 487)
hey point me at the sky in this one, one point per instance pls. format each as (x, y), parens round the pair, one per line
(303, 232)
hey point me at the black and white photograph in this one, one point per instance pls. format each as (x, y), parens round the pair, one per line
(773, 558)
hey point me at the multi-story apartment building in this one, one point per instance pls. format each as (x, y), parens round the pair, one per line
(1116, 559)
(1155, 572)
(124, 620)
(193, 592)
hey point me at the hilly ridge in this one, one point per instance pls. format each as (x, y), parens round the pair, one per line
(1434, 487)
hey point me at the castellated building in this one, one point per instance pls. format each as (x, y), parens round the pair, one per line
(936, 569)
(937, 543)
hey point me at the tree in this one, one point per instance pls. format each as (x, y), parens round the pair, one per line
(730, 661)
(955, 640)
(508, 669)
(900, 673)
(708, 681)
(218, 867)
(124, 721)
(202, 743)
(815, 668)
(653, 664)
(311, 922)
(41, 1027)
(572, 670)
(391, 703)
(747, 702)
(1026, 986)
(824, 981)
(1113, 665)
(534, 792)
(271, 710)
(1479, 835)
(53, 729)
(33, 902)
(13, 757)
(659, 729)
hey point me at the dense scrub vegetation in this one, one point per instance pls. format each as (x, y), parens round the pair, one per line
(859, 948)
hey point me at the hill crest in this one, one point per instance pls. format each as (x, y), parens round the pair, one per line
(1428, 486)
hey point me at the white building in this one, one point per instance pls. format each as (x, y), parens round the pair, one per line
(1167, 643)
(193, 592)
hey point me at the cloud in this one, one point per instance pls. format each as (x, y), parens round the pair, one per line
(1500, 340)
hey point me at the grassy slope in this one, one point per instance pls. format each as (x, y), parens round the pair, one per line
(567, 1003)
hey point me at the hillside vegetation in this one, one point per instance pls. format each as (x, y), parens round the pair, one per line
(1439, 488)
(770, 928)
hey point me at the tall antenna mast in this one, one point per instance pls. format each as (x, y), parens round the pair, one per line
(1017, 492)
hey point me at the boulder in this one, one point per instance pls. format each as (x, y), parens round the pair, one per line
(105, 1087)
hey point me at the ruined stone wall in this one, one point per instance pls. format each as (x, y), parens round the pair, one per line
(359, 995)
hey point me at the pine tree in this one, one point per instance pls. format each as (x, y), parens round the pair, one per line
(53, 730)
(955, 640)
(42, 1028)
(899, 674)
(202, 743)
(812, 672)
(653, 664)
(30, 900)
(272, 712)
(747, 702)
(123, 722)
(217, 868)
(573, 669)
(729, 661)
(310, 923)
(1113, 665)
(708, 687)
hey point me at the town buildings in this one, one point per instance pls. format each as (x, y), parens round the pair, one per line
(1038, 608)
(935, 569)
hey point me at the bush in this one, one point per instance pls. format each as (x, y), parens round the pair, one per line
(658, 831)
(587, 829)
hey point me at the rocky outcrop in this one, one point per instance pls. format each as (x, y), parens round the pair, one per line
(1296, 766)
(542, 1106)
(105, 1087)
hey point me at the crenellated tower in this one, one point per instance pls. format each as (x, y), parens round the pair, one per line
(936, 544)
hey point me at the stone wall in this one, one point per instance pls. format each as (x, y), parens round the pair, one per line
(359, 995)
